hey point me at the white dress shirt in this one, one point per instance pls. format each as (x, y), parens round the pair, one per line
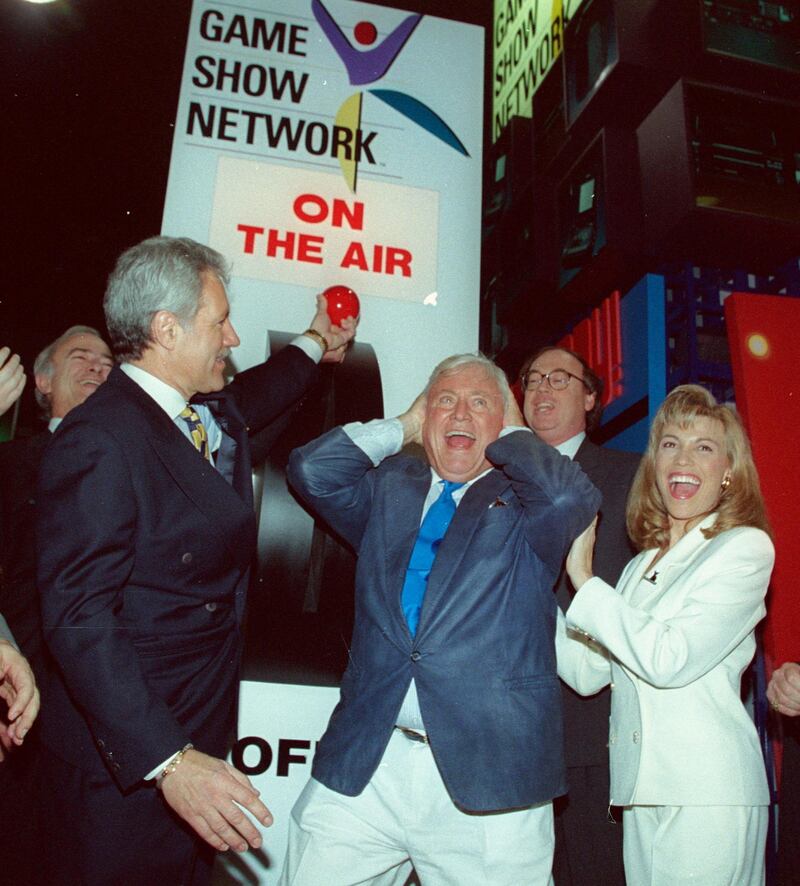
(570, 447)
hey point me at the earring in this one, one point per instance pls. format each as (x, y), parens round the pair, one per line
(726, 482)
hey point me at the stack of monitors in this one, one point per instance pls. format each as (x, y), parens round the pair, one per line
(720, 172)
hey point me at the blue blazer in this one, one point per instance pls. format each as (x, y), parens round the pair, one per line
(144, 555)
(483, 658)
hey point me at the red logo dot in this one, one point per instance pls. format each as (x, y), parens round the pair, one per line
(365, 33)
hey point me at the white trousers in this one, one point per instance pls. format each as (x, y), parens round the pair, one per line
(405, 816)
(703, 845)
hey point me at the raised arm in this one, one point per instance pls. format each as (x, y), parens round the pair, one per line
(559, 499)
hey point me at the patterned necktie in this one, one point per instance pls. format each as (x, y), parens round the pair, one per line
(197, 431)
(431, 532)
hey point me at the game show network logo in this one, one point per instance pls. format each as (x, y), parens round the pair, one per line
(368, 65)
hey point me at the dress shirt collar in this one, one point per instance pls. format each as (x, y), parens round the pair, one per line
(570, 447)
(54, 423)
(459, 493)
(170, 400)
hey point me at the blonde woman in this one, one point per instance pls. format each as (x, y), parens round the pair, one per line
(673, 639)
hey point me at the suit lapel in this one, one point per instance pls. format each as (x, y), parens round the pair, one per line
(232, 459)
(196, 478)
(649, 582)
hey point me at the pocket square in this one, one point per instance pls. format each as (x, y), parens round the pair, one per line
(498, 503)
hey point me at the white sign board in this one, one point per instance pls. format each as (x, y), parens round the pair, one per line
(323, 142)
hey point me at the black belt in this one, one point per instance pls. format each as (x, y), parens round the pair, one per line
(412, 734)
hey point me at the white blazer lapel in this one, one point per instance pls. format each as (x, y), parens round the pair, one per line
(646, 583)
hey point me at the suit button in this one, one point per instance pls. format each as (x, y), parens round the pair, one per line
(100, 743)
(211, 607)
(636, 737)
(416, 656)
(186, 558)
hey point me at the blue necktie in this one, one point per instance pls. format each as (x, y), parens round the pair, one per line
(431, 532)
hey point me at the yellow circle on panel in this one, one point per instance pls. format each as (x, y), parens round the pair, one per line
(758, 345)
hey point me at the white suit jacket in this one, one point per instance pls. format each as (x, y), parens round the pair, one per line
(675, 649)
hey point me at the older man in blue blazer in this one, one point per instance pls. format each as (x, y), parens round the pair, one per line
(144, 554)
(445, 749)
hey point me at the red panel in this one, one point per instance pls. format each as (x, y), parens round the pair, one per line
(762, 332)
(598, 339)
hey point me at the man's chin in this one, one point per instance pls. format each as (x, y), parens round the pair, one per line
(457, 471)
(215, 382)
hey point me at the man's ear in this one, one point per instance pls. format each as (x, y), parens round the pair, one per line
(589, 400)
(165, 329)
(44, 383)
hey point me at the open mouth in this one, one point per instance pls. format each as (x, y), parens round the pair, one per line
(683, 486)
(459, 439)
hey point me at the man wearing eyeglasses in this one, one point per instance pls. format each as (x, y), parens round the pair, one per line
(563, 404)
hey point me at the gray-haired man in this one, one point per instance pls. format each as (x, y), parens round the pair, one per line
(146, 546)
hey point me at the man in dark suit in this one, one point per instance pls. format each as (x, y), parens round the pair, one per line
(563, 403)
(66, 372)
(450, 706)
(144, 554)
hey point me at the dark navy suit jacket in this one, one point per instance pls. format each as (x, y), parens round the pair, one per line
(612, 472)
(144, 553)
(483, 658)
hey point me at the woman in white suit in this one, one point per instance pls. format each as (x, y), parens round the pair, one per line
(673, 639)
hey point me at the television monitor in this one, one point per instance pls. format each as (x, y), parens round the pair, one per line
(760, 31)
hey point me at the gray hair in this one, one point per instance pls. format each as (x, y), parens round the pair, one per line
(158, 274)
(43, 364)
(458, 361)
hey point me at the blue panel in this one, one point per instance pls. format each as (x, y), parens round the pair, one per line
(632, 439)
(656, 342)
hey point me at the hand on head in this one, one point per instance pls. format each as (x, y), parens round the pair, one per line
(337, 337)
(413, 420)
(12, 378)
(513, 418)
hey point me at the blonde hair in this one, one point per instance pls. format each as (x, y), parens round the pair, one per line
(740, 504)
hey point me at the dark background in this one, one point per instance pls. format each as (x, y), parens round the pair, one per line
(90, 91)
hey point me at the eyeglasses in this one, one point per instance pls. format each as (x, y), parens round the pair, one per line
(558, 379)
